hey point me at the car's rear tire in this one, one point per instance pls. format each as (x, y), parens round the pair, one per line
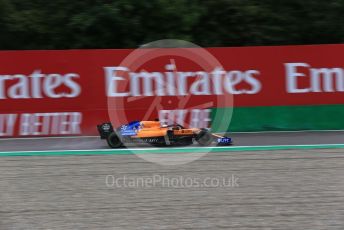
(204, 138)
(114, 141)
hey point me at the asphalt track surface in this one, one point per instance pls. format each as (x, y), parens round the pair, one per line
(285, 189)
(240, 139)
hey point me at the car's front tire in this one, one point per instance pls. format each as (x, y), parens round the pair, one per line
(204, 138)
(114, 141)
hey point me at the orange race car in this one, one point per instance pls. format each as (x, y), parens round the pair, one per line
(154, 133)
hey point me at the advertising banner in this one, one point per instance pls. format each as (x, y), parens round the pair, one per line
(69, 92)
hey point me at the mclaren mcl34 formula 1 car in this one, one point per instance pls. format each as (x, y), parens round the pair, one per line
(155, 134)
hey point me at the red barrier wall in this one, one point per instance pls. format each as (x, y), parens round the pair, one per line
(65, 92)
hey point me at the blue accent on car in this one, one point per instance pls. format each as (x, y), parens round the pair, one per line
(224, 140)
(134, 124)
(130, 129)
